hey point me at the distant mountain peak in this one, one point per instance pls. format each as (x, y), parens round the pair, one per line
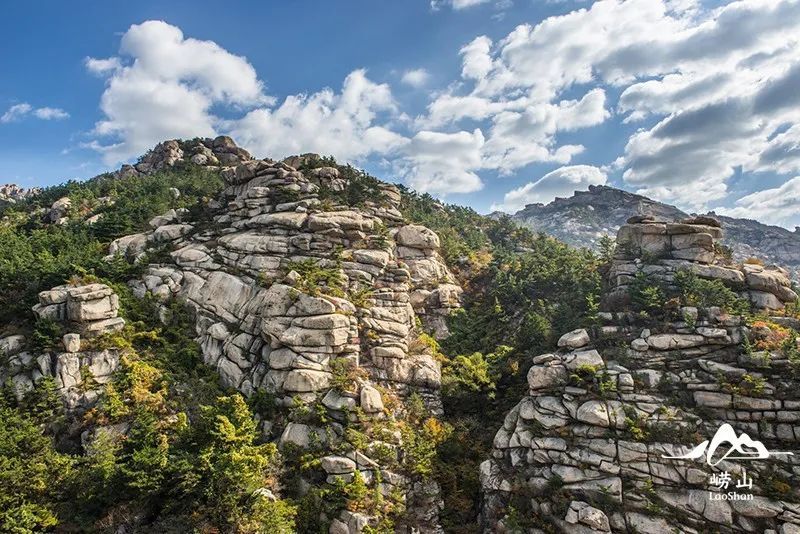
(587, 215)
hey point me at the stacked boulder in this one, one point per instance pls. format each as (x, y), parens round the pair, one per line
(588, 447)
(89, 310)
(661, 249)
(12, 193)
(305, 297)
(218, 152)
(78, 369)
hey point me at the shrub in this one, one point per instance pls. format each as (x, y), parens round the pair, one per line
(316, 278)
(646, 296)
(32, 475)
(696, 291)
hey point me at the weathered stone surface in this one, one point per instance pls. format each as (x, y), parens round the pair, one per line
(416, 236)
(72, 342)
(371, 401)
(575, 339)
(593, 413)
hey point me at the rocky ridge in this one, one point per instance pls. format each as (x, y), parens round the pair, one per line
(295, 294)
(584, 449)
(582, 219)
(212, 154)
(12, 193)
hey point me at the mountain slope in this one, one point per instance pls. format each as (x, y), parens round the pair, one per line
(583, 218)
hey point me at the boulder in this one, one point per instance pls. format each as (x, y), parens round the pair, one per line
(594, 413)
(72, 342)
(306, 380)
(416, 236)
(371, 400)
(575, 339)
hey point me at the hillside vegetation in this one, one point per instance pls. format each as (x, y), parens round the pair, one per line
(192, 455)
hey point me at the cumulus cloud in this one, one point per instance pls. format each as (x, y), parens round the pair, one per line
(709, 89)
(780, 205)
(415, 77)
(443, 163)
(164, 85)
(18, 112)
(341, 124)
(562, 182)
(717, 88)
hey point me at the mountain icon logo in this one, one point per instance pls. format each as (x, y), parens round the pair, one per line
(740, 448)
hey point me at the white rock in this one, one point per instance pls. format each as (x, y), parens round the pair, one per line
(594, 413)
(371, 400)
(575, 339)
(306, 380)
(72, 342)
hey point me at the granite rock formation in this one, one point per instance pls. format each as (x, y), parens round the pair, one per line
(582, 219)
(294, 292)
(584, 450)
(79, 369)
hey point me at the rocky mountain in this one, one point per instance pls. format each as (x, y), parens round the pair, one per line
(11, 193)
(209, 342)
(320, 305)
(583, 218)
(601, 440)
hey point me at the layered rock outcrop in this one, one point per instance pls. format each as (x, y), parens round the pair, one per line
(582, 219)
(312, 300)
(661, 249)
(218, 152)
(588, 447)
(79, 369)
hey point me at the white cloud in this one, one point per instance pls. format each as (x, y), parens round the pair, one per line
(780, 205)
(48, 114)
(18, 112)
(340, 124)
(717, 85)
(415, 77)
(167, 89)
(476, 58)
(443, 163)
(102, 66)
(562, 182)
(712, 89)
(457, 4)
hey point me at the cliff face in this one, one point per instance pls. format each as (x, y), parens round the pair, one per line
(302, 296)
(669, 364)
(306, 287)
(583, 218)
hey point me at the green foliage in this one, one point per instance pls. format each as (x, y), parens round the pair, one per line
(317, 277)
(526, 298)
(696, 291)
(270, 517)
(608, 246)
(35, 256)
(32, 474)
(646, 296)
(468, 374)
(422, 434)
(46, 334)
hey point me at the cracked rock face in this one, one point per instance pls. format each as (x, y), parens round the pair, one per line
(264, 323)
(659, 250)
(85, 311)
(584, 449)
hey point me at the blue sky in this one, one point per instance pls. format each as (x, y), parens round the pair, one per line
(490, 103)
